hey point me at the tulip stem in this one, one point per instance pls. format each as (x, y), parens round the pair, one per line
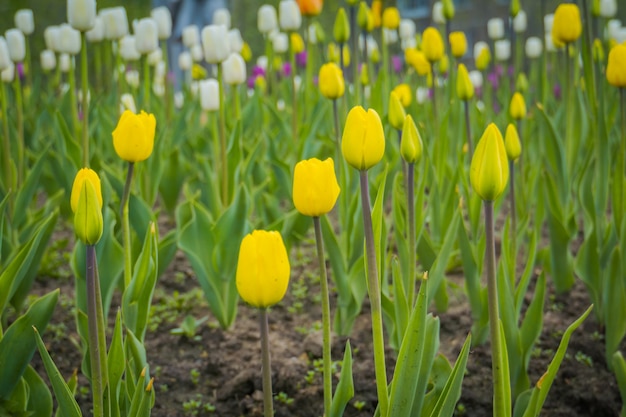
(497, 355)
(222, 127)
(85, 97)
(128, 265)
(468, 130)
(294, 101)
(73, 99)
(97, 60)
(434, 80)
(6, 143)
(356, 81)
(326, 354)
(374, 295)
(28, 69)
(97, 386)
(619, 207)
(513, 211)
(146, 82)
(337, 135)
(17, 85)
(268, 400)
(410, 192)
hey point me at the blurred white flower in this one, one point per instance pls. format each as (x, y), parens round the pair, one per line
(209, 95)
(267, 20)
(16, 43)
(96, 34)
(146, 36)
(191, 36)
(495, 28)
(520, 22)
(163, 19)
(222, 17)
(47, 57)
(215, 43)
(128, 49)
(25, 21)
(81, 14)
(115, 22)
(534, 47)
(234, 69)
(289, 15)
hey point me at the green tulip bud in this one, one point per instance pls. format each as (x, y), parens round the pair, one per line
(411, 142)
(341, 30)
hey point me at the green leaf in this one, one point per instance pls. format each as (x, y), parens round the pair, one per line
(39, 397)
(619, 367)
(345, 388)
(24, 196)
(116, 362)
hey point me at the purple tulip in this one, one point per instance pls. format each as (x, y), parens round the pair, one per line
(396, 64)
(20, 70)
(301, 59)
(258, 70)
(287, 69)
(493, 79)
(557, 91)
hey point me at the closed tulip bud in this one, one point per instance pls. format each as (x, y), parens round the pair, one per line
(146, 36)
(209, 95)
(262, 269)
(155, 57)
(363, 139)
(81, 14)
(191, 36)
(444, 64)
(421, 95)
(341, 29)
(421, 64)
(512, 143)
(215, 43)
(315, 188)
(289, 15)
(96, 34)
(133, 138)
(198, 72)
(47, 58)
(464, 87)
(128, 103)
(115, 22)
(534, 47)
(267, 20)
(234, 69)
(184, 61)
(51, 38)
(548, 22)
(25, 21)
(376, 12)
(16, 43)
(432, 44)
(235, 41)
(365, 78)
(520, 22)
(608, 8)
(567, 25)
(331, 81)
(297, 43)
(197, 53)
(476, 77)
(495, 28)
(128, 49)
(483, 59)
(8, 74)
(517, 109)
(364, 17)
(5, 58)
(407, 29)
(132, 78)
(163, 19)
(86, 202)
(411, 142)
(521, 84)
(515, 8)
(390, 36)
(222, 17)
(616, 68)
(458, 44)
(502, 50)
(396, 111)
(69, 40)
(246, 52)
(448, 9)
(489, 171)
(438, 16)
(403, 92)
(391, 18)
(310, 7)
(280, 43)
(65, 63)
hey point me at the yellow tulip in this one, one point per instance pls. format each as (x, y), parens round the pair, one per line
(364, 18)
(517, 108)
(331, 81)
(521, 84)
(376, 10)
(297, 43)
(411, 142)
(333, 53)
(396, 111)
(391, 18)
(404, 94)
(363, 139)
(420, 63)
(444, 64)
(432, 44)
(315, 188)
(598, 51)
(512, 143)
(133, 138)
(458, 44)
(515, 7)
(464, 86)
(489, 171)
(567, 25)
(198, 72)
(483, 59)
(365, 78)
(262, 269)
(246, 52)
(341, 30)
(86, 202)
(616, 68)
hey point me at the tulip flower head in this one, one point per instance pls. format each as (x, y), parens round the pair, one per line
(86, 203)
(411, 143)
(310, 7)
(512, 143)
(489, 171)
(517, 109)
(396, 111)
(331, 81)
(341, 29)
(25, 21)
(163, 19)
(81, 14)
(262, 269)
(464, 86)
(289, 15)
(616, 67)
(133, 138)
(363, 139)
(458, 44)
(234, 69)
(315, 188)
(448, 9)
(432, 44)
(391, 18)
(404, 94)
(364, 18)
(567, 25)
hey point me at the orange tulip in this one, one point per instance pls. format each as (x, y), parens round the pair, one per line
(310, 7)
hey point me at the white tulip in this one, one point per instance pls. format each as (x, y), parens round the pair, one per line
(438, 16)
(65, 62)
(132, 78)
(390, 36)
(96, 34)
(608, 8)
(79, 94)
(146, 36)
(495, 28)
(115, 22)
(69, 40)
(549, 43)
(262, 62)
(194, 87)
(209, 95)
(234, 69)
(548, 20)
(158, 88)
(479, 46)
(280, 43)
(267, 20)
(163, 19)
(502, 49)
(155, 57)
(184, 61)
(421, 95)
(222, 17)
(520, 22)
(407, 29)
(48, 60)
(81, 14)
(159, 70)
(215, 43)
(5, 58)
(297, 82)
(312, 31)
(191, 36)
(534, 47)
(235, 41)
(179, 99)
(16, 43)
(8, 73)
(289, 15)
(128, 103)
(612, 27)
(25, 21)
(280, 105)
(128, 49)
(197, 54)
(476, 77)
(51, 36)
(620, 35)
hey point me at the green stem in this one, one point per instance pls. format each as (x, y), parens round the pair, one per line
(468, 130)
(356, 80)
(497, 356)
(326, 355)
(146, 82)
(97, 387)
(28, 69)
(222, 126)
(85, 104)
(434, 80)
(168, 86)
(621, 164)
(410, 181)
(270, 58)
(268, 400)
(570, 142)
(17, 85)
(73, 99)
(128, 262)
(337, 134)
(294, 93)
(98, 65)
(374, 295)
(6, 141)
(513, 211)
